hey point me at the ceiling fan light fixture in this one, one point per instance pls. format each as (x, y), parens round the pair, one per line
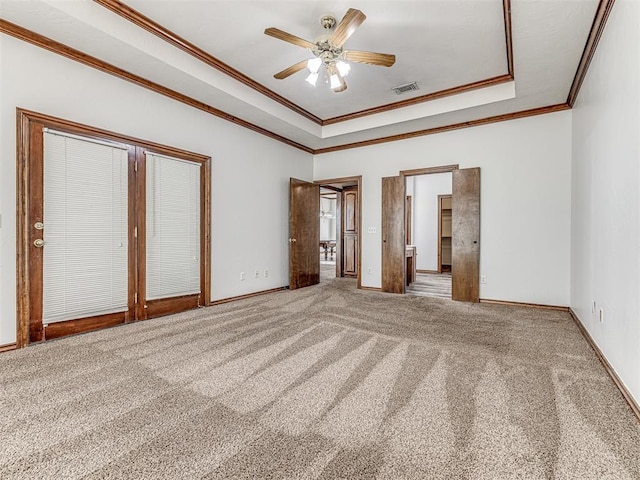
(313, 64)
(343, 67)
(312, 79)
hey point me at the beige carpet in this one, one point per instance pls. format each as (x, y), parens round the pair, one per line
(324, 382)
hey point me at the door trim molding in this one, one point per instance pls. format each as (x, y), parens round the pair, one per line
(358, 180)
(25, 121)
(428, 170)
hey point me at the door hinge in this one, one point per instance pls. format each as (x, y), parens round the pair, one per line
(135, 297)
(135, 166)
(135, 232)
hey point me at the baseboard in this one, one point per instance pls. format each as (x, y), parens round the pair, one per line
(248, 295)
(524, 304)
(371, 289)
(7, 347)
(635, 408)
(427, 271)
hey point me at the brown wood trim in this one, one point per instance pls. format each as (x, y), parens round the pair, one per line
(447, 128)
(525, 304)
(140, 220)
(46, 43)
(633, 405)
(132, 223)
(82, 325)
(166, 306)
(343, 180)
(132, 15)
(371, 289)
(23, 312)
(329, 181)
(421, 99)
(205, 237)
(428, 271)
(508, 32)
(597, 27)
(7, 347)
(248, 295)
(429, 170)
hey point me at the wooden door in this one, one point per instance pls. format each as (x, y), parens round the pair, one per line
(465, 226)
(393, 232)
(304, 234)
(350, 232)
(78, 241)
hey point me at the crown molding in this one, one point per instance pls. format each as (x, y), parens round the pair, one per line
(46, 43)
(447, 128)
(599, 22)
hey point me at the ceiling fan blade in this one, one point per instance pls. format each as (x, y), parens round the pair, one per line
(287, 37)
(349, 23)
(372, 58)
(291, 70)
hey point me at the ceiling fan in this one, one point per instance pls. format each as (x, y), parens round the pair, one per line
(328, 51)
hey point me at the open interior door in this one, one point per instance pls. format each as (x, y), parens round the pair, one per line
(393, 231)
(465, 226)
(304, 233)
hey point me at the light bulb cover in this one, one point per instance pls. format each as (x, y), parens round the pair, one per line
(334, 81)
(313, 64)
(312, 79)
(343, 67)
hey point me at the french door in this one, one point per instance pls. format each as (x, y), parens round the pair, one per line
(113, 231)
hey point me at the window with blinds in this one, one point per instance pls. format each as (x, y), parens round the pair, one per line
(172, 226)
(85, 261)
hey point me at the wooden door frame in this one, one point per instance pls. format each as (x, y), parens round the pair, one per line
(27, 123)
(327, 184)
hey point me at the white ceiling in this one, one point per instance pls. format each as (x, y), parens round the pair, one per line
(439, 44)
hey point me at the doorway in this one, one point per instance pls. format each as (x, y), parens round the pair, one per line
(307, 212)
(399, 258)
(348, 201)
(428, 212)
(111, 229)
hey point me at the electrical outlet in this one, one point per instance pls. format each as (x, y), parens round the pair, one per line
(483, 279)
(257, 275)
(242, 276)
(602, 315)
(371, 230)
(266, 273)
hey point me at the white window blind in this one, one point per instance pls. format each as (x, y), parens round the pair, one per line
(173, 227)
(85, 228)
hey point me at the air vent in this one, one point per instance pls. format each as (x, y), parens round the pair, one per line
(407, 87)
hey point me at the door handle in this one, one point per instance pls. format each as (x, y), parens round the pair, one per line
(38, 242)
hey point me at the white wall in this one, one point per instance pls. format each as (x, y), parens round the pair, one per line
(425, 216)
(605, 243)
(250, 172)
(525, 199)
